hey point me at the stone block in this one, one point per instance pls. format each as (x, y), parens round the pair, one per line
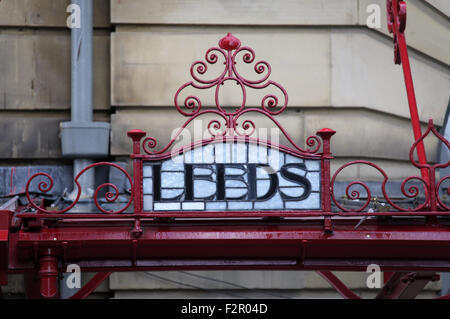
(37, 75)
(235, 12)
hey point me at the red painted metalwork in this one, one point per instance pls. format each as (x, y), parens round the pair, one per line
(136, 136)
(340, 287)
(93, 284)
(431, 206)
(396, 21)
(5, 222)
(328, 240)
(432, 200)
(48, 274)
(326, 135)
(44, 187)
(201, 244)
(406, 285)
(230, 49)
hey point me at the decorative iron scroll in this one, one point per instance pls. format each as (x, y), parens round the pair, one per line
(235, 131)
(227, 124)
(432, 201)
(396, 22)
(46, 186)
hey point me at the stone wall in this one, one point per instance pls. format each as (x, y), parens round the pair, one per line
(35, 81)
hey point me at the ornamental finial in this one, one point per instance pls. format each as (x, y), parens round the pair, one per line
(229, 42)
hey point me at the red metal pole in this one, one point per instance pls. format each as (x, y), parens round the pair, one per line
(326, 135)
(412, 104)
(396, 14)
(136, 136)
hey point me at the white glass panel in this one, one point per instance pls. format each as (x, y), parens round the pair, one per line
(148, 202)
(193, 206)
(147, 171)
(167, 206)
(147, 186)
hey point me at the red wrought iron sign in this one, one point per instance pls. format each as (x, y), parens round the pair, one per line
(235, 176)
(232, 173)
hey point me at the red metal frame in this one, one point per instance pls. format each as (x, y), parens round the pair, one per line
(230, 49)
(43, 241)
(396, 22)
(432, 201)
(89, 287)
(404, 285)
(340, 287)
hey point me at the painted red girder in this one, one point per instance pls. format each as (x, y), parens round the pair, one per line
(253, 244)
(406, 285)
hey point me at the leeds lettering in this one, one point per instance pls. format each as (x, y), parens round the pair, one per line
(245, 176)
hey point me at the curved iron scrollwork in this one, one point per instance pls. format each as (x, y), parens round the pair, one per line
(110, 196)
(432, 200)
(228, 124)
(396, 23)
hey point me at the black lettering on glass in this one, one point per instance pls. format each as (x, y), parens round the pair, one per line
(157, 186)
(189, 178)
(252, 180)
(222, 177)
(157, 182)
(220, 181)
(251, 175)
(297, 179)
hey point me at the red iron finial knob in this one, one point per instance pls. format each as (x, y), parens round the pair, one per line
(229, 42)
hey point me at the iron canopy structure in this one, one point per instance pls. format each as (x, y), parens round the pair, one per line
(236, 201)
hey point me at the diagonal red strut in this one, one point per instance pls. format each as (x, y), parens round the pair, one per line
(88, 288)
(397, 23)
(337, 284)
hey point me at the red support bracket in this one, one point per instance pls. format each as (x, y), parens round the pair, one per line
(137, 231)
(396, 21)
(89, 287)
(337, 284)
(136, 136)
(326, 134)
(406, 285)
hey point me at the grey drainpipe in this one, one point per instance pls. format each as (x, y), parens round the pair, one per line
(81, 138)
